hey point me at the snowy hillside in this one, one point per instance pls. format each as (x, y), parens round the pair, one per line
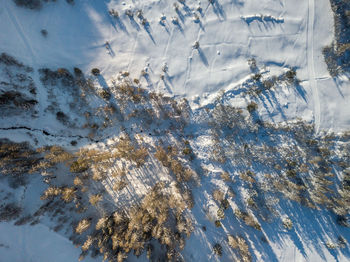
(174, 130)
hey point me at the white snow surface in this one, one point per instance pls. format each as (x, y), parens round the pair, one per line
(35, 243)
(279, 34)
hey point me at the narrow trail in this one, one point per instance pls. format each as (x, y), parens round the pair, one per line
(311, 65)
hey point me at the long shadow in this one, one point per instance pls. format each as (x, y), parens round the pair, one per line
(276, 103)
(218, 9)
(301, 91)
(187, 9)
(263, 98)
(147, 28)
(337, 84)
(109, 49)
(263, 19)
(180, 15)
(164, 25)
(121, 25)
(148, 80)
(273, 20)
(101, 80)
(203, 57)
(168, 88)
(200, 24)
(134, 23)
(176, 23)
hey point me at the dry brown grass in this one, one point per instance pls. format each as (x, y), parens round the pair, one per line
(248, 177)
(95, 199)
(51, 192)
(248, 219)
(226, 177)
(68, 194)
(218, 195)
(82, 226)
(241, 245)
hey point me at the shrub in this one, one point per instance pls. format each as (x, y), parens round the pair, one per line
(162, 156)
(342, 242)
(331, 245)
(87, 243)
(94, 199)
(257, 77)
(60, 116)
(113, 13)
(252, 107)
(77, 181)
(187, 151)
(51, 192)
(218, 195)
(82, 226)
(95, 71)
(77, 71)
(268, 84)
(220, 213)
(217, 223)
(104, 94)
(225, 204)
(17, 99)
(226, 177)
(287, 223)
(252, 64)
(248, 177)
(291, 173)
(129, 13)
(43, 32)
(342, 220)
(240, 244)
(139, 156)
(68, 194)
(217, 248)
(248, 219)
(79, 166)
(290, 75)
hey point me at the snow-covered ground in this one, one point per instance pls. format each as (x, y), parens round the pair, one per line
(279, 34)
(35, 243)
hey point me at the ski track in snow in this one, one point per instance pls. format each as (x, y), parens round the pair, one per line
(311, 65)
(19, 30)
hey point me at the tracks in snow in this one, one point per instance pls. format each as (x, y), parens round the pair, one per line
(311, 65)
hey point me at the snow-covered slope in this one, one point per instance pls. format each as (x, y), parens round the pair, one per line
(234, 61)
(278, 34)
